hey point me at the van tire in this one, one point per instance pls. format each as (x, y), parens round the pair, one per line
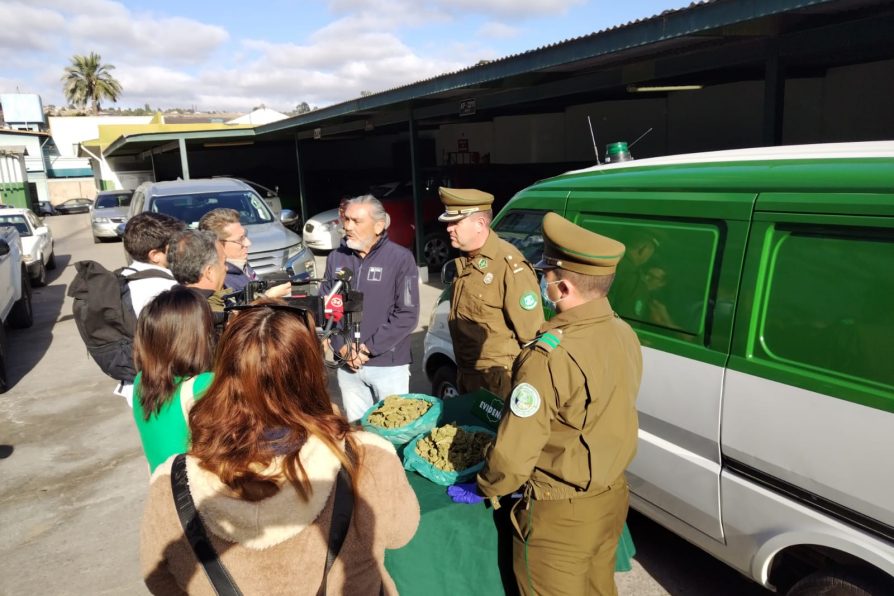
(22, 316)
(41, 278)
(838, 583)
(51, 262)
(443, 382)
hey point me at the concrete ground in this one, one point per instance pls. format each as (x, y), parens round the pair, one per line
(73, 477)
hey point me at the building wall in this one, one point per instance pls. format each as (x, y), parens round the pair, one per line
(62, 189)
(69, 131)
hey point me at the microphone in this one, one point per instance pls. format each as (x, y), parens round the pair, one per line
(334, 308)
(344, 274)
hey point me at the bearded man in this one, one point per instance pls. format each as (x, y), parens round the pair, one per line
(387, 275)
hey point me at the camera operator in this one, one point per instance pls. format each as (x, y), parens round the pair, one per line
(385, 273)
(231, 234)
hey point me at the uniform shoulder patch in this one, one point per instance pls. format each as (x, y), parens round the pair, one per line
(525, 400)
(528, 300)
(549, 341)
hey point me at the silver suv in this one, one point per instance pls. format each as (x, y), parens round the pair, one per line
(273, 247)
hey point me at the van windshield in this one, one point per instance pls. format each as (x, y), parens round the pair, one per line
(191, 207)
(110, 201)
(522, 230)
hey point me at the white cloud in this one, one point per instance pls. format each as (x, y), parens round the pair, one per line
(512, 9)
(498, 31)
(26, 28)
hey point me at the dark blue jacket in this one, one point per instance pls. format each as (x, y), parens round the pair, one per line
(389, 281)
(236, 278)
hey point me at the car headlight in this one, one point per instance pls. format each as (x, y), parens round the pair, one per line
(101, 220)
(294, 250)
(330, 225)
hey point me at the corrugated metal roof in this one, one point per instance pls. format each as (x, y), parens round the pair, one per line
(696, 18)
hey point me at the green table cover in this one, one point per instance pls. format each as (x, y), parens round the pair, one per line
(458, 548)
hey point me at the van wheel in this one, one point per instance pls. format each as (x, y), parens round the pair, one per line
(4, 379)
(51, 262)
(436, 250)
(443, 382)
(21, 315)
(41, 278)
(838, 583)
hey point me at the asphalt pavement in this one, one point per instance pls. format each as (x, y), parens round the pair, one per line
(73, 477)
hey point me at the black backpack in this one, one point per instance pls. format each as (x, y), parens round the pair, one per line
(104, 314)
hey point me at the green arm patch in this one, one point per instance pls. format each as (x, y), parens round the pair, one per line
(548, 341)
(528, 301)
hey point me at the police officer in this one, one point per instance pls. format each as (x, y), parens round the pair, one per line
(570, 429)
(495, 304)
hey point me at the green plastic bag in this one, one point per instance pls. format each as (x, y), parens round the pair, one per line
(413, 461)
(399, 436)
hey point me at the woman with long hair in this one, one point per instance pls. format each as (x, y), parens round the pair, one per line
(267, 449)
(173, 350)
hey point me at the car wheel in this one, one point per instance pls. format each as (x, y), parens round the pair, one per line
(443, 382)
(21, 315)
(4, 379)
(833, 582)
(97, 240)
(41, 278)
(436, 250)
(51, 262)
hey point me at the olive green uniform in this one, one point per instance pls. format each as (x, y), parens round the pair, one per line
(568, 435)
(495, 308)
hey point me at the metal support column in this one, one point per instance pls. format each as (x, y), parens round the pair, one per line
(417, 193)
(302, 197)
(184, 161)
(774, 96)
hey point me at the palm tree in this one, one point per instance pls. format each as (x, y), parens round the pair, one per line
(88, 79)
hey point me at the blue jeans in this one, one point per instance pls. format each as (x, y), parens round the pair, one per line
(362, 388)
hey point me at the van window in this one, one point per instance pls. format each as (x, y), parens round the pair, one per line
(664, 279)
(522, 229)
(191, 207)
(827, 302)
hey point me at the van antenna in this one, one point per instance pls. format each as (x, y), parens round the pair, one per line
(640, 136)
(593, 136)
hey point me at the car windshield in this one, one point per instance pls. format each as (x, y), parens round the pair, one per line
(109, 201)
(16, 221)
(522, 230)
(191, 207)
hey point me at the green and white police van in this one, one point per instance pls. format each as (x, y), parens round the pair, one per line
(761, 285)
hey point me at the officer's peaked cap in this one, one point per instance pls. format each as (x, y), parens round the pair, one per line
(461, 202)
(571, 247)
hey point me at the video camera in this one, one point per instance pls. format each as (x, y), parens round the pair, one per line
(341, 303)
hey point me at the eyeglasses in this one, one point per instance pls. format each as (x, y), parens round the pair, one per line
(242, 241)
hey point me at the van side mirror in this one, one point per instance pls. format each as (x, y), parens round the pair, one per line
(448, 273)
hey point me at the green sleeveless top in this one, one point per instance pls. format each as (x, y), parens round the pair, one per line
(166, 433)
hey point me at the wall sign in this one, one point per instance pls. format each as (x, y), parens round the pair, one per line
(467, 107)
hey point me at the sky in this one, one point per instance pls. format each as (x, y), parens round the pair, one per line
(234, 56)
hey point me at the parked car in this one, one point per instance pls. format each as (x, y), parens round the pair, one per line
(323, 232)
(109, 211)
(759, 284)
(274, 248)
(45, 208)
(15, 293)
(80, 205)
(37, 242)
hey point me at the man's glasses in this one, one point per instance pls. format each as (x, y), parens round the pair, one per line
(242, 241)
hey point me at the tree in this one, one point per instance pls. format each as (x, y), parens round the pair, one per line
(87, 79)
(302, 108)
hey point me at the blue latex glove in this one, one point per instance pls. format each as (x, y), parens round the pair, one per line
(466, 492)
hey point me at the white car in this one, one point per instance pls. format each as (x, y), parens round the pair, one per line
(37, 242)
(323, 232)
(109, 210)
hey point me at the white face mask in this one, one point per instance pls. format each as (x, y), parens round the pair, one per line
(549, 303)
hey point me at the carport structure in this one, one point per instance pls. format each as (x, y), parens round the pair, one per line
(715, 75)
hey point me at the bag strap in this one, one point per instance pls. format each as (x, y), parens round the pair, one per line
(194, 530)
(342, 511)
